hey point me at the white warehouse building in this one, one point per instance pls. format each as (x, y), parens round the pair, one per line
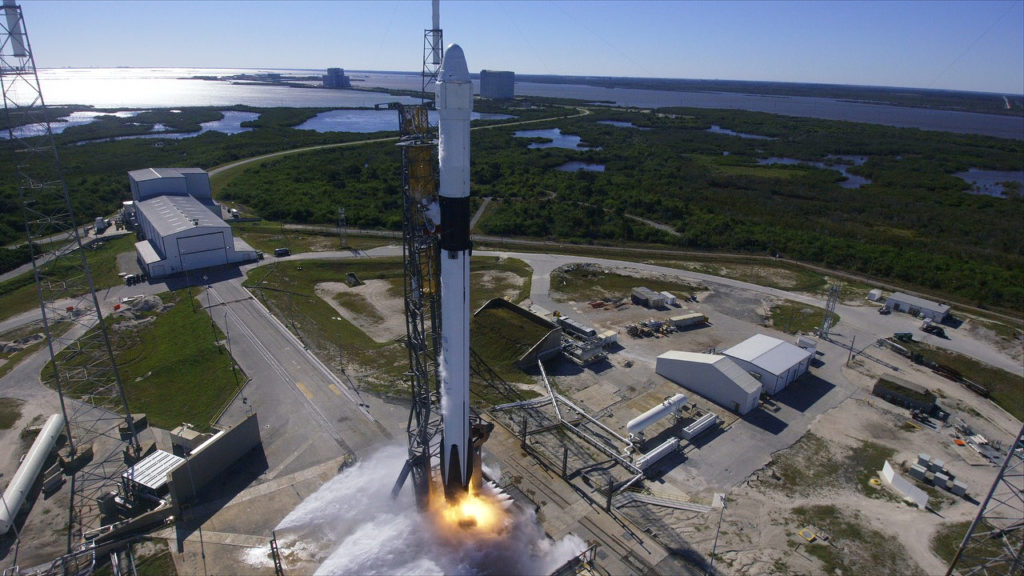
(181, 232)
(713, 376)
(915, 306)
(775, 363)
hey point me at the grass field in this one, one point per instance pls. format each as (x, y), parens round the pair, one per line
(947, 539)
(288, 289)
(266, 236)
(792, 317)
(20, 294)
(853, 547)
(191, 381)
(1006, 389)
(582, 283)
(501, 337)
(10, 411)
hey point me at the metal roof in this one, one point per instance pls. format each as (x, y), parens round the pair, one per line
(722, 364)
(147, 252)
(151, 472)
(173, 214)
(157, 173)
(919, 303)
(770, 354)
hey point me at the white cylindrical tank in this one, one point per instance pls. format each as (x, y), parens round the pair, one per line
(14, 495)
(658, 453)
(644, 420)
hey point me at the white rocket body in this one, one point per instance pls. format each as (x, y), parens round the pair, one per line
(455, 104)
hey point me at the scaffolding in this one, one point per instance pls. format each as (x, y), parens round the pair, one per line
(421, 257)
(994, 543)
(99, 426)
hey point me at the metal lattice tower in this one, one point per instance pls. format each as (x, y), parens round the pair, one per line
(421, 258)
(994, 543)
(100, 430)
(433, 50)
(830, 309)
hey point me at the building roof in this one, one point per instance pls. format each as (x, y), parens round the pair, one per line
(722, 364)
(770, 354)
(173, 214)
(151, 472)
(919, 303)
(157, 173)
(147, 252)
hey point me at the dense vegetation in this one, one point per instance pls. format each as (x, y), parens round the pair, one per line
(914, 224)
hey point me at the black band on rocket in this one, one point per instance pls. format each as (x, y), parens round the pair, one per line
(455, 224)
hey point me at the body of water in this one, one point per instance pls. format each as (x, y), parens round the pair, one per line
(575, 166)
(990, 182)
(719, 130)
(620, 124)
(366, 121)
(173, 87)
(231, 123)
(555, 139)
(837, 163)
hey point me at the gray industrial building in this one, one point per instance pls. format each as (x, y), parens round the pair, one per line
(713, 376)
(497, 85)
(336, 78)
(179, 223)
(775, 363)
(915, 306)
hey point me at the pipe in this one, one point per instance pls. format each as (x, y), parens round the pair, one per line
(25, 477)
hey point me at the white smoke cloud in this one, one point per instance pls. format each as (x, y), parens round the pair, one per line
(351, 525)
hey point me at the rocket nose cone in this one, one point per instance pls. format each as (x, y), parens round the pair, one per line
(453, 66)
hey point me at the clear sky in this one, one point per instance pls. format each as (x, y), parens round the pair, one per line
(973, 45)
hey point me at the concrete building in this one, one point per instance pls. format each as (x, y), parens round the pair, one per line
(713, 376)
(915, 306)
(152, 182)
(497, 85)
(646, 297)
(180, 224)
(775, 363)
(336, 78)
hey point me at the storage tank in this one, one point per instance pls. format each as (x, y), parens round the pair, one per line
(658, 453)
(644, 420)
(25, 477)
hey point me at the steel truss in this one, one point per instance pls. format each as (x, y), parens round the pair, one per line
(100, 429)
(994, 543)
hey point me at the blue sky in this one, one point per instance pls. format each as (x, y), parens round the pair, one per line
(927, 44)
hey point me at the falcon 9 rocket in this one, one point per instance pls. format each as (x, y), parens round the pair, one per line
(454, 104)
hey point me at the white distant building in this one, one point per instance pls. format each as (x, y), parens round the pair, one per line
(181, 231)
(915, 306)
(713, 376)
(776, 363)
(497, 84)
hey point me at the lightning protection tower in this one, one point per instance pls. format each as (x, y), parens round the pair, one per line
(994, 543)
(433, 50)
(830, 309)
(100, 430)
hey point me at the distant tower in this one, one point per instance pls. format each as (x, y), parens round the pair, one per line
(82, 363)
(994, 543)
(433, 50)
(497, 85)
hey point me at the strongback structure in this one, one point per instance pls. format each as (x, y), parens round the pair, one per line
(422, 297)
(994, 543)
(82, 367)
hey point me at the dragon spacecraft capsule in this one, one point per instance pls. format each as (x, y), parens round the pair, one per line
(454, 104)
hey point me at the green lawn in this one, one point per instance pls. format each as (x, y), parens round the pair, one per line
(1006, 389)
(10, 411)
(792, 317)
(582, 283)
(288, 289)
(189, 381)
(20, 294)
